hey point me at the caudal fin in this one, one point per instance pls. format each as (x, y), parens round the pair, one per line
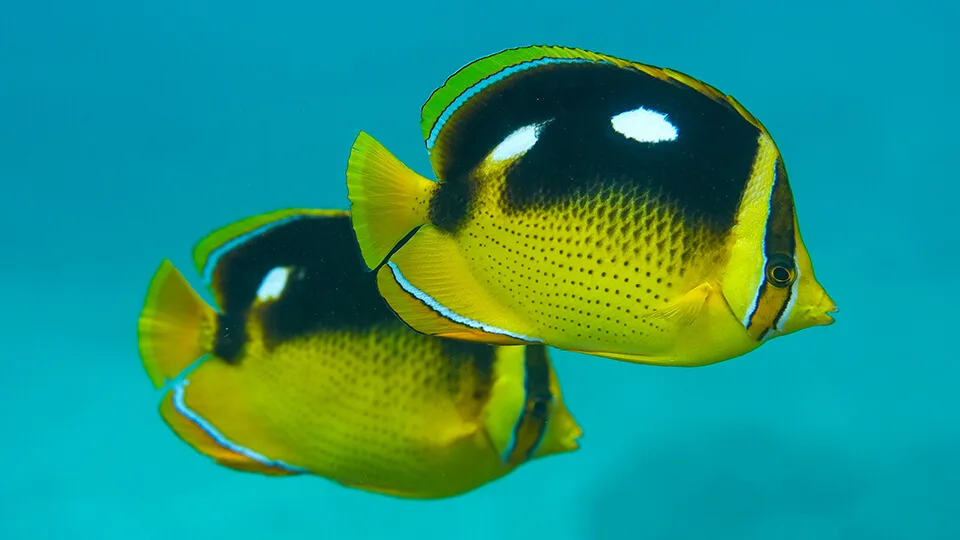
(387, 199)
(176, 326)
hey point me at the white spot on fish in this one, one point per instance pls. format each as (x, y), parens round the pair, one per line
(644, 125)
(489, 81)
(517, 143)
(215, 255)
(273, 284)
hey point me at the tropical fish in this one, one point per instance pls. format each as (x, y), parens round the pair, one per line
(592, 204)
(304, 369)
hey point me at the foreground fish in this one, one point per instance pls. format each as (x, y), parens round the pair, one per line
(308, 370)
(592, 204)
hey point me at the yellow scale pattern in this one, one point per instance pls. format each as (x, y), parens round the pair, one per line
(592, 268)
(378, 408)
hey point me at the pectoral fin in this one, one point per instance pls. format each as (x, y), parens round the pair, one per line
(686, 309)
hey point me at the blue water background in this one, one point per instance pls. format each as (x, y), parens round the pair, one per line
(128, 130)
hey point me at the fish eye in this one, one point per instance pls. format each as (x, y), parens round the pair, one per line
(781, 270)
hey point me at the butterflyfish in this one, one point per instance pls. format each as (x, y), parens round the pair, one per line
(592, 204)
(302, 368)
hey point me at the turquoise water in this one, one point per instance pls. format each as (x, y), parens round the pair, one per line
(128, 130)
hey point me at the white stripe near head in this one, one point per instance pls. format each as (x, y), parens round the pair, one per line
(785, 316)
(757, 287)
(762, 274)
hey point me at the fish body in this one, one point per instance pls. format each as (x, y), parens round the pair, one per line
(592, 204)
(306, 370)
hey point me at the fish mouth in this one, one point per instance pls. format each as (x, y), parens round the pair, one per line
(826, 316)
(827, 309)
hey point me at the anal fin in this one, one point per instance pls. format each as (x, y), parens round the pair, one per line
(428, 284)
(199, 422)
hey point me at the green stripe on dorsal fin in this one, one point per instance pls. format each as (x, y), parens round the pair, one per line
(473, 73)
(209, 252)
(471, 79)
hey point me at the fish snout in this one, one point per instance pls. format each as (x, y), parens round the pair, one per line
(821, 314)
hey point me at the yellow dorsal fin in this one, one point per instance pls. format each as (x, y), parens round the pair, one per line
(209, 251)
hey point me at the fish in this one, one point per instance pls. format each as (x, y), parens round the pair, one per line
(590, 203)
(303, 369)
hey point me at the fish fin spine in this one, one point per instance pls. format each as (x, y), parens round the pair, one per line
(388, 200)
(176, 326)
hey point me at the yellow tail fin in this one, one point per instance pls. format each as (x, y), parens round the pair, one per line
(176, 326)
(176, 329)
(387, 199)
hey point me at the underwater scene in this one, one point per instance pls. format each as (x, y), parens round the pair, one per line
(624, 270)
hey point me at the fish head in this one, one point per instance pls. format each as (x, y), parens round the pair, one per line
(810, 304)
(768, 280)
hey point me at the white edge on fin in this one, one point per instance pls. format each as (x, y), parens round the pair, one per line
(180, 405)
(447, 313)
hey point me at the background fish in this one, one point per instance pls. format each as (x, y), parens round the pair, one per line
(592, 204)
(308, 371)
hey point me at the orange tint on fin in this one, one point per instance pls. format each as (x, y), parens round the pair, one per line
(202, 441)
(176, 326)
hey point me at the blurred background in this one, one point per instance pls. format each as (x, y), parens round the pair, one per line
(129, 130)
